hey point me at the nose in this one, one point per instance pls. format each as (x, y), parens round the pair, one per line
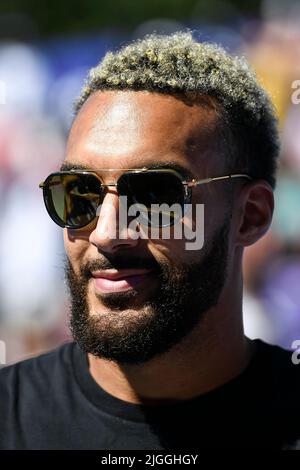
(108, 235)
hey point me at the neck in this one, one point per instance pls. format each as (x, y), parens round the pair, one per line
(214, 353)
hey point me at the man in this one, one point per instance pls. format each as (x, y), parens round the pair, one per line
(159, 358)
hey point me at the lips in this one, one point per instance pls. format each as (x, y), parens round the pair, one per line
(118, 281)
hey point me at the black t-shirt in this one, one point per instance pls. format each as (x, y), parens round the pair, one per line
(52, 402)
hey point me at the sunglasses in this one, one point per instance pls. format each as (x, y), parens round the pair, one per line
(72, 198)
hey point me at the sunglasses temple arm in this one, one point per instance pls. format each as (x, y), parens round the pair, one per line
(217, 178)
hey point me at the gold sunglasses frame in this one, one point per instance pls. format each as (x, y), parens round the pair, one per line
(188, 185)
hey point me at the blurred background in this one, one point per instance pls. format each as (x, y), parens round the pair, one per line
(46, 49)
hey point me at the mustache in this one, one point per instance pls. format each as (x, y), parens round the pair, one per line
(118, 262)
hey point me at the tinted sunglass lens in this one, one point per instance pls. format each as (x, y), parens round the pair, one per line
(71, 199)
(152, 189)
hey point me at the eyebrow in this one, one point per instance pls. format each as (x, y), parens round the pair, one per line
(185, 172)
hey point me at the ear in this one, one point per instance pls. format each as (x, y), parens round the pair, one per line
(255, 206)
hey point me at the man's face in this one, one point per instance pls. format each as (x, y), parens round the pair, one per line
(163, 289)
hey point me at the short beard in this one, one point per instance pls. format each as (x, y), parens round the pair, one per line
(176, 307)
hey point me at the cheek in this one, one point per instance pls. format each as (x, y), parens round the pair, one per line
(74, 250)
(173, 251)
(187, 240)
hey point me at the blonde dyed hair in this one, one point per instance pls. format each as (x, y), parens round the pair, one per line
(177, 64)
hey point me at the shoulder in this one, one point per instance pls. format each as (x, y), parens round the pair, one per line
(35, 393)
(41, 370)
(278, 386)
(280, 367)
(276, 356)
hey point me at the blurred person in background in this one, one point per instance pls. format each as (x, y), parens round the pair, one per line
(31, 144)
(271, 266)
(159, 353)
